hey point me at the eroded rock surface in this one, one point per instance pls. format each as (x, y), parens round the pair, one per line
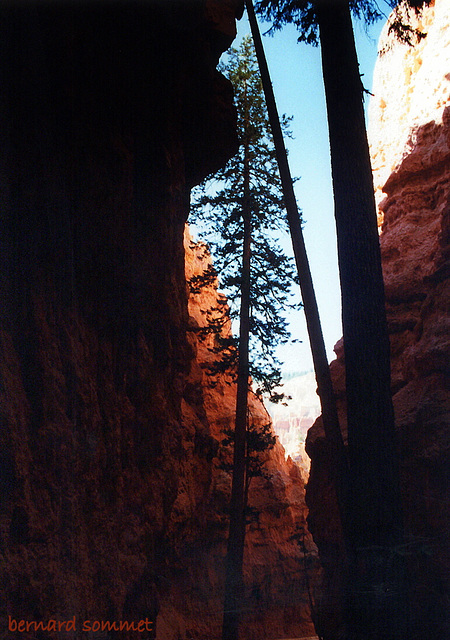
(112, 499)
(277, 600)
(410, 146)
(107, 114)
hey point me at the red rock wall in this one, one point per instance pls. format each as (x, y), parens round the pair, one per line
(112, 496)
(277, 601)
(410, 134)
(107, 113)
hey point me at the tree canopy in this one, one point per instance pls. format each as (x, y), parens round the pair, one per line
(303, 14)
(217, 207)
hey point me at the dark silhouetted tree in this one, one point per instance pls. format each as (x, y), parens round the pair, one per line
(248, 186)
(258, 440)
(376, 598)
(241, 213)
(330, 420)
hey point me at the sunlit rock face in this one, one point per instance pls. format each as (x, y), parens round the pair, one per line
(410, 146)
(411, 89)
(278, 569)
(415, 254)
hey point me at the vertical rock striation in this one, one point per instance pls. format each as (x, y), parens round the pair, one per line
(107, 115)
(410, 145)
(112, 495)
(277, 567)
(415, 171)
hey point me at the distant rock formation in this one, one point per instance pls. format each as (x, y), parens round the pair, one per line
(410, 146)
(292, 419)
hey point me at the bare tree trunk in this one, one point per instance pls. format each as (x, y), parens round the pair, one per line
(319, 355)
(234, 587)
(377, 585)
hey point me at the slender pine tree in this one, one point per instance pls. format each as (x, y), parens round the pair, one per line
(248, 187)
(241, 210)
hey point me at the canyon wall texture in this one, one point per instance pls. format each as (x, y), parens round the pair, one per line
(278, 569)
(112, 494)
(410, 146)
(107, 110)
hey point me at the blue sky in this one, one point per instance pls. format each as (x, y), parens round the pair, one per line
(297, 80)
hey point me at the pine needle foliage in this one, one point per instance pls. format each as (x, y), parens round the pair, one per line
(371, 496)
(217, 209)
(303, 14)
(259, 440)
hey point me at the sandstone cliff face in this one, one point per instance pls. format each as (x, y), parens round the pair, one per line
(107, 112)
(292, 420)
(410, 89)
(277, 602)
(113, 499)
(410, 146)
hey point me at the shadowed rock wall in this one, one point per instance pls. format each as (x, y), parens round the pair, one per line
(107, 115)
(278, 569)
(410, 145)
(112, 496)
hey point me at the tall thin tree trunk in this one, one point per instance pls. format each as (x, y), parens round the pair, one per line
(377, 585)
(234, 587)
(319, 355)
